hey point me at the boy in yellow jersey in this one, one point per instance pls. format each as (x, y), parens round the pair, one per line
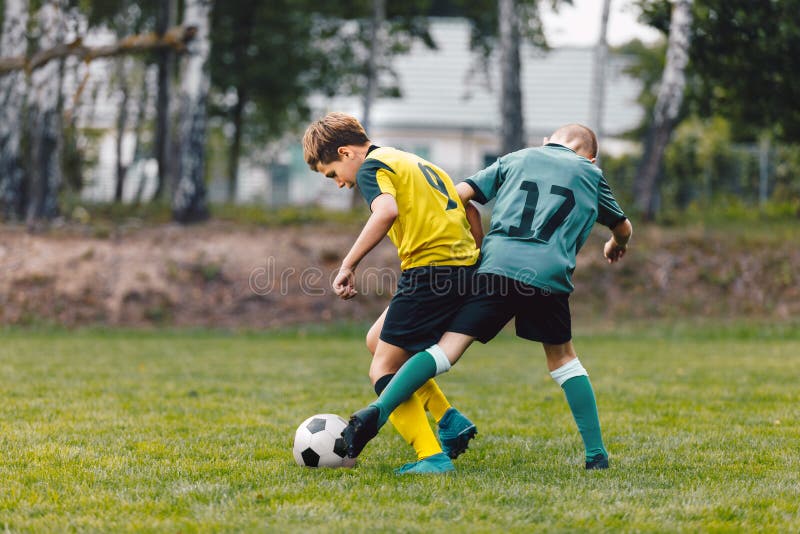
(415, 203)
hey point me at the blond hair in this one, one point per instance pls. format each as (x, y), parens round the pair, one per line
(578, 137)
(323, 138)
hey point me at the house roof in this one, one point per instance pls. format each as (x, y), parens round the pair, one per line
(450, 88)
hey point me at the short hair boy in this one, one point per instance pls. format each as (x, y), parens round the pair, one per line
(416, 204)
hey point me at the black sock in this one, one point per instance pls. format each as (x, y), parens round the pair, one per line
(381, 383)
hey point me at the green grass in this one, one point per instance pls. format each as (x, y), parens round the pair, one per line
(724, 214)
(103, 217)
(191, 431)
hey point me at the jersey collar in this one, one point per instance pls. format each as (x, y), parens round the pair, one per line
(556, 145)
(371, 148)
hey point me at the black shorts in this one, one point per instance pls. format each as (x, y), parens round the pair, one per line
(540, 315)
(426, 300)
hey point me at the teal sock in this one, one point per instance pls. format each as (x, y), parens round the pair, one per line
(420, 368)
(580, 397)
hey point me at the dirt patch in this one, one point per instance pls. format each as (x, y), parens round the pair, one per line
(232, 277)
(210, 275)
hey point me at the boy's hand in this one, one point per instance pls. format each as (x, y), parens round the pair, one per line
(384, 213)
(344, 285)
(613, 251)
(620, 236)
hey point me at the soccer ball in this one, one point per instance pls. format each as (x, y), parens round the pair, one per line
(318, 442)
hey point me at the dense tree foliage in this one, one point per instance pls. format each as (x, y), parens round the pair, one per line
(743, 63)
(747, 66)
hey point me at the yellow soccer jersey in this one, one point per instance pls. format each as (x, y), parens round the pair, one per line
(431, 226)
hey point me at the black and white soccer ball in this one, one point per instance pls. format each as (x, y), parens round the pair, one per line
(318, 442)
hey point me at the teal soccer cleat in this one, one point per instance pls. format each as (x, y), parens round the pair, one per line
(455, 432)
(598, 461)
(432, 465)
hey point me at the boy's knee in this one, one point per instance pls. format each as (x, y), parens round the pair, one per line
(373, 336)
(372, 341)
(382, 365)
(376, 371)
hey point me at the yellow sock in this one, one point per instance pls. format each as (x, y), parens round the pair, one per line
(433, 399)
(411, 422)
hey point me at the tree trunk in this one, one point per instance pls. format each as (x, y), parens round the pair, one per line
(512, 132)
(141, 116)
(599, 82)
(13, 88)
(245, 25)
(372, 83)
(189, 202)
(122, 125)
(167, 15)
(375, 39)
(236, 145)
(45, 120)
(668, 104)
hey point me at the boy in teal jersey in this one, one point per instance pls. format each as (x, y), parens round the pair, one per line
(547, 200)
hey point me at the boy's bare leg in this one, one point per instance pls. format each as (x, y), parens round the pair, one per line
(374, 332)
(558, 355)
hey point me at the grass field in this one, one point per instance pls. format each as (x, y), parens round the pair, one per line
(187, 432)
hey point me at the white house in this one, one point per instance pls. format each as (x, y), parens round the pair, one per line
(449, 111)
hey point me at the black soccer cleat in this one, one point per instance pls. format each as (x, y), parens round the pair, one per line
(598, 461)
(363, 426)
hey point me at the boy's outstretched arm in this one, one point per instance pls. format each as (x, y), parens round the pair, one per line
(465, 193)
(616, 246)
(384, 213)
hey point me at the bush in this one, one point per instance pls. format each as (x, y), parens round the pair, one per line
(786, 173)
(706, 176)
(699, 163)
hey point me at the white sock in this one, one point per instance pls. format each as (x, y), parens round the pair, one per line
(442, 363)
(571, 369)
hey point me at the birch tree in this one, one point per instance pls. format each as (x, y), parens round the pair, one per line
(189, 203)
(141, 117)
(13, 88)
(668, 104)
(512, 128)
(123, 66)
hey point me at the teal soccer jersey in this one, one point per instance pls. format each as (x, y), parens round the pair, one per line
(547, 200)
